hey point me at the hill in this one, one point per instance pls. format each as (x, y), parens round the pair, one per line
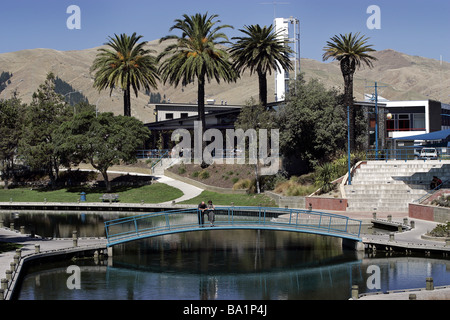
(405, 77)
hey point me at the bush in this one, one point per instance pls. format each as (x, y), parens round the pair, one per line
(294, 187)
(443, 201)
(441, 230)
(246, 184)
(182, 169)
(203, 174)
(326, 174)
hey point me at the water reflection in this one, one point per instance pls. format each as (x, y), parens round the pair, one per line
(221, 264)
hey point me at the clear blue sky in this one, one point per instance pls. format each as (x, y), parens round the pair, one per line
(415, 27)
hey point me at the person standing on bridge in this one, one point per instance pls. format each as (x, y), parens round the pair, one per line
(211, 216)
(201, 211)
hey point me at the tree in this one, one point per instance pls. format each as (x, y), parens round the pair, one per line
(261, 51)
(312, 123)
(195, 55)
(102, 140)
(351, 51)
(255, 116)
(128, 65)
(46, 113)
(11, 124)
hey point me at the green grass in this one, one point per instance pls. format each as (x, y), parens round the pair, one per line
(5, 246)
(248, 200)
(154, 193)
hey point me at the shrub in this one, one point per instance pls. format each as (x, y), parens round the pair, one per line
(246, 184)
(182, 169)
(203, 174)
(441, 230)
(326, 173)
(294, 187)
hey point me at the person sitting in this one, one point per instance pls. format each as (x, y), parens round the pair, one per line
(435, 183)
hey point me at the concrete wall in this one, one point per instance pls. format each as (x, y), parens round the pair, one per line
(290, 202)
(320, 203)
(429, 213)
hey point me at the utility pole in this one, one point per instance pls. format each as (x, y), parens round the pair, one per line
(375, 97)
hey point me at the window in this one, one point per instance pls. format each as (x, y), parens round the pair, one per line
(184, 115)
(419, 121)
(403, 122)
(169, 116)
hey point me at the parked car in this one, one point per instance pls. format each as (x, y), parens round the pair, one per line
(428, 154)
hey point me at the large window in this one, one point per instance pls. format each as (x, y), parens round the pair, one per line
(419, 122)
(406, 122)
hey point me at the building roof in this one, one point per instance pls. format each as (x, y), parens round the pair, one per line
(437, 135)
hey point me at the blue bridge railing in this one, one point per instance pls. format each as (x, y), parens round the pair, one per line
(175, 221)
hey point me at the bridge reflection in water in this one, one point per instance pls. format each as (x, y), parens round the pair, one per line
(260, 218)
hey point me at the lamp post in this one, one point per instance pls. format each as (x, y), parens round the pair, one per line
(348, 147)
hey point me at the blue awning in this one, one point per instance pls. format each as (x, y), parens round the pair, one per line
(437, 135)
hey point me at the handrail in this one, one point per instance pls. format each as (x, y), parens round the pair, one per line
(404, 154)
(431, 192)
(165, 222)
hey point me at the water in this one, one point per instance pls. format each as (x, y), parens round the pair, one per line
(220, 265)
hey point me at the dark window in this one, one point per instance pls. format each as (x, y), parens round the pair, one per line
(403, 122)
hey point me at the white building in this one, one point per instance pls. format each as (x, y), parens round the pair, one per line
(288, 29)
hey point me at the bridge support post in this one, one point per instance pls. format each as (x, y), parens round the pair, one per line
(355, 292)
(74, 238)
(429, 284)
(352, 245)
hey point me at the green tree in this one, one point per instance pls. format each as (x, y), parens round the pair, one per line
(103, 141)
(196, 55)
(255, 116)
(125, 64)
(312, 123)
(11, 124)
(261, 51)
(351, 51)
(46, 113)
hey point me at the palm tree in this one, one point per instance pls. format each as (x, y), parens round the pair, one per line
(261, 51)
(196, 55)
(351, 51)
(126, 64)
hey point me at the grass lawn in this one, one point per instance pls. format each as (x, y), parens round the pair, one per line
(250, 200)
(154, 193)
(5, 246)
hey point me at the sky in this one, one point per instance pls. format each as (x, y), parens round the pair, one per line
(414, 27)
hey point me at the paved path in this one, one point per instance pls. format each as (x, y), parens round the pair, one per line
(188, 190)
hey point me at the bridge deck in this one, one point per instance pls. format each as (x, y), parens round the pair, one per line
(176, 221)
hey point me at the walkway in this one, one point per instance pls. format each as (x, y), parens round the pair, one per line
(189, 191)
(46, 247)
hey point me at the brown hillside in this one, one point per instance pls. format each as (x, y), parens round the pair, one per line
(406, 77)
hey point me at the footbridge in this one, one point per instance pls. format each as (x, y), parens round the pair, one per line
(226, 218)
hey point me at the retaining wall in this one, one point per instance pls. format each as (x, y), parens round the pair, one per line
(429, 213)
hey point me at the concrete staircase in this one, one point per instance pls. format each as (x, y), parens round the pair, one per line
(390, 186)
